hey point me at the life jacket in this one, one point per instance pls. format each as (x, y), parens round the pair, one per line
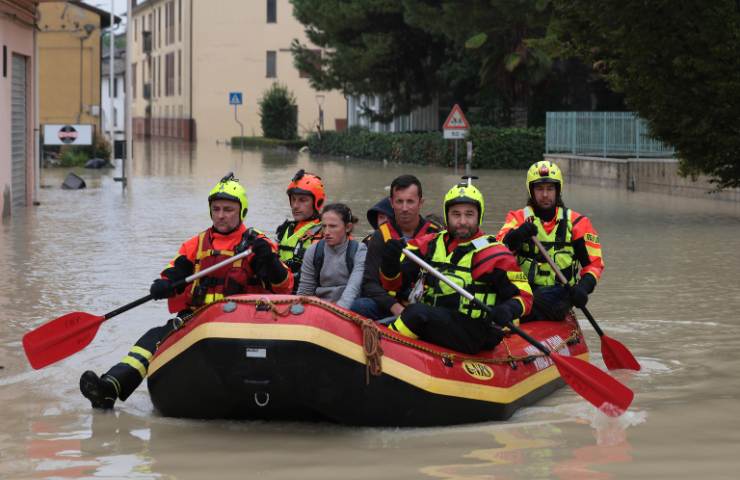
(389, 231)
(293, 245)
(349, 257)
(559, 246)
(458, 266)
(234, 279)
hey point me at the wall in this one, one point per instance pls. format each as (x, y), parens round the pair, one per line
(641, 175)
(229, 54)
(62, 80)
(17, 35)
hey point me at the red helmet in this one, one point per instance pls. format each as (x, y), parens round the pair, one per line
(308, 184)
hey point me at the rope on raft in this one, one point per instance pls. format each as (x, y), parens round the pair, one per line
(372, 334)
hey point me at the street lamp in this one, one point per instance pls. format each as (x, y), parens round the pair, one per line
(320, 103)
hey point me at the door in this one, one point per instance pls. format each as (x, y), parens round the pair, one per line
(19, 131)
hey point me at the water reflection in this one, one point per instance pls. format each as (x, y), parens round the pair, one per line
(669, 293)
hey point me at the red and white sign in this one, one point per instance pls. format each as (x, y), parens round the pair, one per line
(456, 126)
(68, 134)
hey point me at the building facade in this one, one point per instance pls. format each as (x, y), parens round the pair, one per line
(69, 44)
(114, 95)
(187, 56)
(18, 148)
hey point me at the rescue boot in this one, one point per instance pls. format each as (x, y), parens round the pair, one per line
(101, 391)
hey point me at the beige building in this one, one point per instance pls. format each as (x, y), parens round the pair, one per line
(18, 170)
(69, 42)
(188, 55)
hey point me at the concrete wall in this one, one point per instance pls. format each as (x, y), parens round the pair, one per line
(17, 36)
(641, 175)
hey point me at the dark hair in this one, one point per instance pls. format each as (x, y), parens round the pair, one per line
(403, 182)
(342, 210)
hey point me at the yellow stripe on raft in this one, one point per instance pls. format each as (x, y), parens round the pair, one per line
(346, 348)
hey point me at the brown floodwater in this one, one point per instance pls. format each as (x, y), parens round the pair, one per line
(670, 292)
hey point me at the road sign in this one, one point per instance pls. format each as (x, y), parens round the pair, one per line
(78, 134)
(456, 126)
(235, 98)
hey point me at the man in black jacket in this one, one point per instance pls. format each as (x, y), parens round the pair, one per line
(407, 223)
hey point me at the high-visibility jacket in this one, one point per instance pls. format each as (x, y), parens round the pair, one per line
(209, 248)
(481, 265)
(570, 240)
(294, 239)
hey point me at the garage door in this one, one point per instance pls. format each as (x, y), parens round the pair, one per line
(18, 131)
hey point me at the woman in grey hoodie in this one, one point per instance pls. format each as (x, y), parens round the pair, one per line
(333, 267)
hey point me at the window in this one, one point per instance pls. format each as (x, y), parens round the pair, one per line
(133, 80)
(171, 23)
(136, 28)
(169, 74)
(271, 11)
(115, 117)
(179, 20)
(271, 64)
(159, 76)
(179, 72)
(115, 87)
(316, 60)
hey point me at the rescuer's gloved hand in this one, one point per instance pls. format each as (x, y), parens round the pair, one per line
(516, 237)
(181, 269)
(390, 263)
(161, 288)
(247, 240)
(500, 316)
(262, 249)
(578, 296)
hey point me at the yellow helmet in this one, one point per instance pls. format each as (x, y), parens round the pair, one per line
(544, 171)
(465, 192)
(229, 188)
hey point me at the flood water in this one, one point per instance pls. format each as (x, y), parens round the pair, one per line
(670, 293)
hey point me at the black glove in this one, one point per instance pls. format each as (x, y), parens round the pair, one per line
(247, 240)
(161, 288)
(500, 316)
(578, 296)
(516, 237)
(262, 249)
(181, 269)
(579, 293)
(390, 263)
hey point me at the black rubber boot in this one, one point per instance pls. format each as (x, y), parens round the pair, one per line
(100, 391)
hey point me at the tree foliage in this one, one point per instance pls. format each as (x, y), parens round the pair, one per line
(678, 64)
(279, 113)
(370, 50)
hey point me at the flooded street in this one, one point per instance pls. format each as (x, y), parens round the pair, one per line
(670, 292)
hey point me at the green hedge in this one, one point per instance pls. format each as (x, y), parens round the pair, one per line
(492, 147)
(237, 142)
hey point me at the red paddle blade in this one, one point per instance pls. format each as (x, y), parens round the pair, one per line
(593, 384)
(617, 356)
(60, 338)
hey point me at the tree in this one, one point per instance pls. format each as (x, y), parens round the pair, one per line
(369, 49)
(279, 113)
(678, 64)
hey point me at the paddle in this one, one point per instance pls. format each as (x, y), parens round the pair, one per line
(615, 354)
(588, 381)
(70, 333)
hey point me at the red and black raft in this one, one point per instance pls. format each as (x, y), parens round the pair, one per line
(295, 358)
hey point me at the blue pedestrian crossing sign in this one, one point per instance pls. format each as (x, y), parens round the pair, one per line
(235, 98)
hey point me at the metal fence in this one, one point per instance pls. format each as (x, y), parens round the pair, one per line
(616, 134)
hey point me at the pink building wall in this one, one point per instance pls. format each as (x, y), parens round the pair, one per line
(18, 38)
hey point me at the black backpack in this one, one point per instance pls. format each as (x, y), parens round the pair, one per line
(349, 257)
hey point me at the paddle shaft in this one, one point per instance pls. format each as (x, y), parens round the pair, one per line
(564, 281)
(423, 264)
(178, 284)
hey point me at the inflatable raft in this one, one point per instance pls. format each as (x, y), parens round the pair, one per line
(288, 357)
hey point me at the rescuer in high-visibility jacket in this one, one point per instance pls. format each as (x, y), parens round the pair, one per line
(570, 240)
(306, 196)
(259, 272)
(473, 260)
